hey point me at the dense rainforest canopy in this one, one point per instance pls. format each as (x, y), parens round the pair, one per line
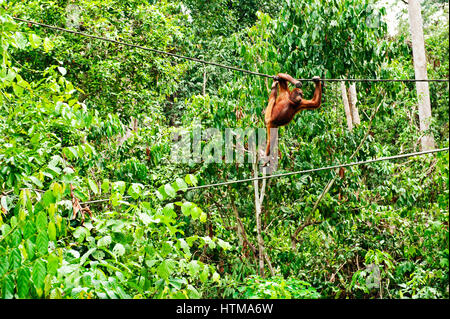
(83, 120)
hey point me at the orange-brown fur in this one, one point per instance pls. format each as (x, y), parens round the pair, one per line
(284, 104)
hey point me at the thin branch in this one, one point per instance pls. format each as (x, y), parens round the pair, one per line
(258, 218)
(241, 229)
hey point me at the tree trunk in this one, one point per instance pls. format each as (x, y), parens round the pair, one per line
(258, 220)
(420, 69)
(259, 199)
(352, 99)
(348, 113)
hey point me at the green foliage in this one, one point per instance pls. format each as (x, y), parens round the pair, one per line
(275, 288)
(84, 120)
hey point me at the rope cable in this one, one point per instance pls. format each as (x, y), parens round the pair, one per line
(387, 158)
(211, 62)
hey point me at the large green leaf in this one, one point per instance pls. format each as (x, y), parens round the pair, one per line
(23, 283)
(38, 275)
(93, 186)
(41, 221)
(15, 259)
(42, 243)
(166, 268)
(8, 287)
